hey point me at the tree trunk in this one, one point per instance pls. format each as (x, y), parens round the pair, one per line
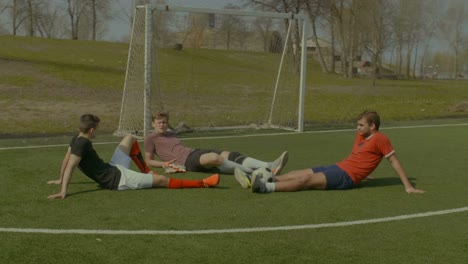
(313, 19)
(30, 18)
(14, 16)
(94, 22)
(415, 61)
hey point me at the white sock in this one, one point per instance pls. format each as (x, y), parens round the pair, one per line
(228, 167)
(270, 186)
(254, 163)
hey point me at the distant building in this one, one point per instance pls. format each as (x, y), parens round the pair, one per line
(312, 45)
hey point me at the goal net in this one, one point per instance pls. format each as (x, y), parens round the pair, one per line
(214, 69)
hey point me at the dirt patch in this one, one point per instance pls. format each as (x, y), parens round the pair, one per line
(51, 104)
(460, 107)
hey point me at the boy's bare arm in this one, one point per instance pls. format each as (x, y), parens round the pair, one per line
(150, 161)
(72, 163)
(401, 172)
(62, 168)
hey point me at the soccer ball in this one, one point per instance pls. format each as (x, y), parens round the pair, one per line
(264, 174)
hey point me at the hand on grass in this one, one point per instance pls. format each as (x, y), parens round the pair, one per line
(57, 196)
(55, 182)
(173, 168)
(413, 190)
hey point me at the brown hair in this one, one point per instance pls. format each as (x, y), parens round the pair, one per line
(372, 117)
(160, 115)
(88, 121)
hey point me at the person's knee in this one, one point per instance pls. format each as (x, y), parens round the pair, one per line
(305, 179)
(211, 159)
(160, 181)
(236, 157)
(314, 181)
(124, 148)
(126, 144)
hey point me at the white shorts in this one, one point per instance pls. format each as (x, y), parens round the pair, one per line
(129, 179)
(132, 180)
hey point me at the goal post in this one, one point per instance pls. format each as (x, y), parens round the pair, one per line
(215, 69)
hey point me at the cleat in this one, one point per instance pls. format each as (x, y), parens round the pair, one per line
(211, 181)
(277, 165)
(242, 178)
(258, 186)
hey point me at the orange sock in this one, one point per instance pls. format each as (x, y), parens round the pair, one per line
(180, 183)
(136, 156)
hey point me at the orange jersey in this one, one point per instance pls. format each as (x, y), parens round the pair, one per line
(366, 155)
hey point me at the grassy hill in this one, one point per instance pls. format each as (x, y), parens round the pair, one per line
(45, 85)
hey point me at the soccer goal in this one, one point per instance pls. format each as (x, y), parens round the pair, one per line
(214, 69)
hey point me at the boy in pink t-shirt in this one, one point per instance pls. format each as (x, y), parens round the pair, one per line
(171, 153)
(369, 148)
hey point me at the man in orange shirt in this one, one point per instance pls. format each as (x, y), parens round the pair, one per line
(369, 148)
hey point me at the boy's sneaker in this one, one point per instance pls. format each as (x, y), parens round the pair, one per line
(211, 181)
(277, 165)
(242, 178)
(258, 186)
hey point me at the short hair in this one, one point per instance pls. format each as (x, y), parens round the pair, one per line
(160, 115)
(372, 117)
(88, 121)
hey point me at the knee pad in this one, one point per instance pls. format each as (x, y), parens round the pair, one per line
(236, 157)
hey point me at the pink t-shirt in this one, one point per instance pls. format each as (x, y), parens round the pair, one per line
(366, 156)
(167, 147)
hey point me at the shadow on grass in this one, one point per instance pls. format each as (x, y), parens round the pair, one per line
(380, 182)
(86, 191)
(83, 182)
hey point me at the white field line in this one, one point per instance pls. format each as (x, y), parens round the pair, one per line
(243, 136)
(225, 231)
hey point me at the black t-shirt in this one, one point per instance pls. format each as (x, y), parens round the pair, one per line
(91, 165)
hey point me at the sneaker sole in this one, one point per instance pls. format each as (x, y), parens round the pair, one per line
(284, 159)
(241, 178)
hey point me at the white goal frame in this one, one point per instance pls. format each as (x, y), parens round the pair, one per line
(148, 57)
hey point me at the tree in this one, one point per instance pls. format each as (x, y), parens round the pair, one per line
(24, 13)
(100, 11)
(285, 6)
(3, 8)
(314, 11)
(17, 14)
(376, 21)
(343, 13)
(276, 43)
(452, 29)
(429, 27)
(75, 9)
(50, 21)
(411, 11)
(264, 27)
(233, 28)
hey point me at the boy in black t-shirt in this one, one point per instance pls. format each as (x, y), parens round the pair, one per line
(115, 175)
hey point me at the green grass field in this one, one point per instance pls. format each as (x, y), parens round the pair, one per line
(434, 158)
(40, 80)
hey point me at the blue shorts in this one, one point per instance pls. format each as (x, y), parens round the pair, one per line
(337, 179)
